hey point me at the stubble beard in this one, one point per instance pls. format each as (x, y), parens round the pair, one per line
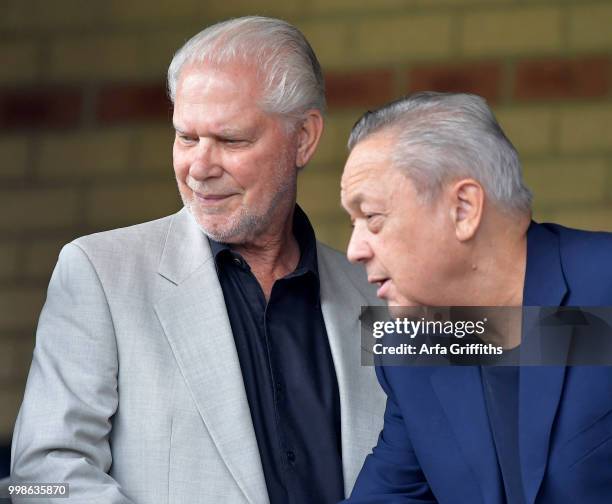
(245, 224)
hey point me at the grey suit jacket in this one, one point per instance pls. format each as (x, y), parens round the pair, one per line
(135, 393)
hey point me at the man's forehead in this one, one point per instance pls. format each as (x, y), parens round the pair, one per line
(216, 99)
(367, 159)
(223, 119)
(364, 185)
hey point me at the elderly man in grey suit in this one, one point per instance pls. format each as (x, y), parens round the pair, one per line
(213, 355)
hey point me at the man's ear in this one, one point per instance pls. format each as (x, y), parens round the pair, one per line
(467, 203)
(309, 134)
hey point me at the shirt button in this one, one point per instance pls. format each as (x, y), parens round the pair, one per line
(291, 457)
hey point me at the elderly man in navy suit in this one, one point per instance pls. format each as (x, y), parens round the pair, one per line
(442, 218)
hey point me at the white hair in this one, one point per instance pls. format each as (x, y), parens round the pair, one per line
(444, 136)
(290, 72)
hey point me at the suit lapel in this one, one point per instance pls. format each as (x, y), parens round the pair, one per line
(195, 321)
(361, 400)
(540, 387)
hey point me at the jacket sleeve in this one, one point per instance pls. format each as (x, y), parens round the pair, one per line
(391, 473)
(63, 427)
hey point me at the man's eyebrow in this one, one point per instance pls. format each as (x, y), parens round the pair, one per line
(178, 130)
(228, 131)
(223, 132)
(356, 199)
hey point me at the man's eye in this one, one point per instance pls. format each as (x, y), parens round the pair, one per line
(234, 142)
(374, 222)
(187, 139)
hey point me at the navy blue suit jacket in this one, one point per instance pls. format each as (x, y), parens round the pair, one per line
(436, 444)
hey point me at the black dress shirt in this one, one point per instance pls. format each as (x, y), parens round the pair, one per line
(288, 373)
(501, 392)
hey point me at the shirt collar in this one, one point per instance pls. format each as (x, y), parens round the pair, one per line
(304, 234)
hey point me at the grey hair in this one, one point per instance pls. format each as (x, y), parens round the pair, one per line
(444, 136)
(287, 65)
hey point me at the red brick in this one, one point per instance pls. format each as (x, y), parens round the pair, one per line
(481, 78)
(33, 108)
(365, 88)
(121, 103)
(563, 78)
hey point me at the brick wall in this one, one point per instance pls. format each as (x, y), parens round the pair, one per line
(85, 141)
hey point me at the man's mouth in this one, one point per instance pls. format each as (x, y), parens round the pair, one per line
(211, 199)
(383, 286)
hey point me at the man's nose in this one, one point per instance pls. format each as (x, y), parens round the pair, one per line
(359, 249)
(206, 162)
